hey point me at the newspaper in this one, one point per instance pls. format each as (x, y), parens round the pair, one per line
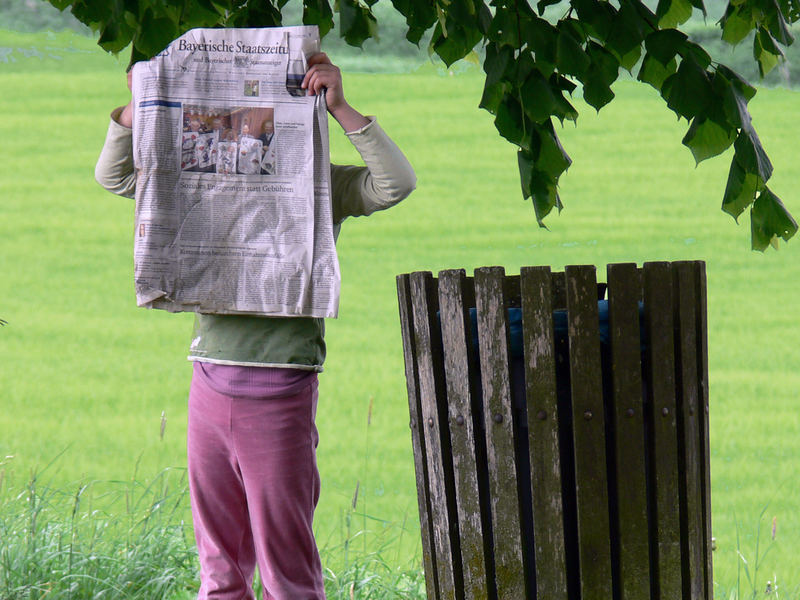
(233, 208)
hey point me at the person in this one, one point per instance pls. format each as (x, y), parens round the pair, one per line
(252, 438)
(267, 133)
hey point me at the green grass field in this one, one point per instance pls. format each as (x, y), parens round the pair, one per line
(85, 374)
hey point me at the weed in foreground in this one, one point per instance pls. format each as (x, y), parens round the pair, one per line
(57, 545)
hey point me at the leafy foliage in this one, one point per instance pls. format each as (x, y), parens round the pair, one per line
(537, 52)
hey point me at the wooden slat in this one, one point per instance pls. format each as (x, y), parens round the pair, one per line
(459, 366)
(588, 434)
(702, 372)
(691, 455)
(631, 541)
(495, 380)
(663, 430)
(417, 436)
(543, 438)
(427, 340)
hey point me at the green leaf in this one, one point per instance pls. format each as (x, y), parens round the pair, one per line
(542, 5)
(737, 23)
(596, 92)
(510, 122)
(571, 59)
(734, 102)
(750, 154)
(654, 73)
(664, 45)
(525, 163)
(538, 186)
(604, 64)
(256, 14)
(455, 45)
(115, 36)
(199, 14)
(766, 51)
(537, 97)
(551, 157)
(697, 53)
(778, 28)
(505, 27)
(319, 13)
(356, 22)
(690, 92)
(603, 72)
(155, 33)
(740, 191)
(420, 16)
(541, 37)
(769, 219)
(626, 35)
(698, 4)
(544, 195)
(563, 109)
(598, 16)
(706, 138)
(739, 82)
(672, 13)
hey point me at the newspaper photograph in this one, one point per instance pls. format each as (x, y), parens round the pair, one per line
(233, 208)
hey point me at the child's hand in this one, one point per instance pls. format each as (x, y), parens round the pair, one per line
(323, 74)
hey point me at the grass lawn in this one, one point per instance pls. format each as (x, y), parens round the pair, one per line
(87, 375)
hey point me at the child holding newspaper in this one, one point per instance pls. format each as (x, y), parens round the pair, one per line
(252, 440)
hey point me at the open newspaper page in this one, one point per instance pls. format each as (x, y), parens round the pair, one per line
(233, 208)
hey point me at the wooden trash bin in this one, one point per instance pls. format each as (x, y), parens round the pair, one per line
(561, 438)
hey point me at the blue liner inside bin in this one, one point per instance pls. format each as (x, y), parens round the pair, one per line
(559, 326)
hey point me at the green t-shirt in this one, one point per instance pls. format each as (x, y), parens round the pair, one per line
(296, 342)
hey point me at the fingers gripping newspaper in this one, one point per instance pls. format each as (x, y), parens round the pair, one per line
(233, 207)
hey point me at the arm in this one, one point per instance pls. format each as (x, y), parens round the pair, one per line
(387, 178)
(114, 169)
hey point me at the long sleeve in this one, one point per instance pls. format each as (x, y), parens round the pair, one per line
(114, 169)
(386, 179)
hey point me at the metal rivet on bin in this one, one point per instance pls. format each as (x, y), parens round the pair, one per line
(411, 423)
(588, 415)
(430, 422)
(691, 410)
(460, 420)
(498, 418)
(629, 413)
(541, 415)
(665, 412)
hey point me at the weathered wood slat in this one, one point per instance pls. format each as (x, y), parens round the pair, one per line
(510, 574)
(417, 436)
(663, 429)
(427, 340)
(543, 435)
(459, 366)
(702, 371)
(588, 424)
(690, 455)
(624, 290)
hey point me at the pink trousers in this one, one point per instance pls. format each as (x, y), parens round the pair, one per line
(254, 486)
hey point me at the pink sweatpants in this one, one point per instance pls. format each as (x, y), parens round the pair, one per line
(254, 486)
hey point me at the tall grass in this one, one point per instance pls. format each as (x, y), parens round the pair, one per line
(75, 544)
(63, 544)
